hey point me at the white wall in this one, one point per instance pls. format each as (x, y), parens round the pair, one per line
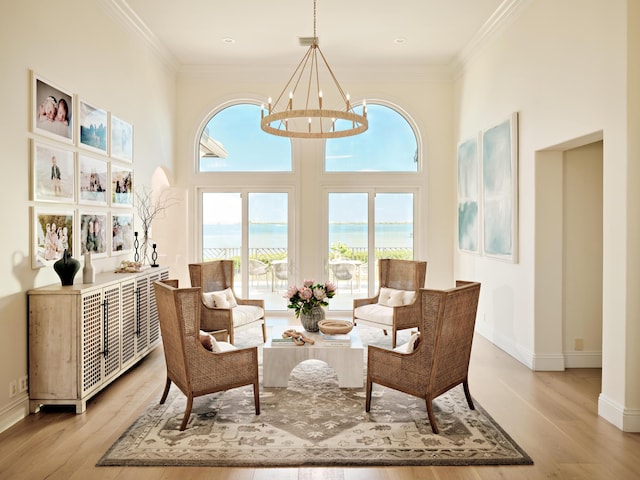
(582, 254)
(82, 47)
(562, 66)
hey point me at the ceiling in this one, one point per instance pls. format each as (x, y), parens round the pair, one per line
(372, 33)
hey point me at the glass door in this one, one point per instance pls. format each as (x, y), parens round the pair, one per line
(250, 228)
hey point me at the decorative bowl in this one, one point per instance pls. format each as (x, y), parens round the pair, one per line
(335, 327)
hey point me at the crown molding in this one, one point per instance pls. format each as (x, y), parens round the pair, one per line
(505, 14)
(123, 12)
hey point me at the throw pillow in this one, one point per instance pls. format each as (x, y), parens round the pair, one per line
(390, 297)
(411, 345)
(207, 340)
(221, 299)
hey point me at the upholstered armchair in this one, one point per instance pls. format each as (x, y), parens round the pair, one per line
(221, 307)
(397, 304)
(195, 370)
(440, 360)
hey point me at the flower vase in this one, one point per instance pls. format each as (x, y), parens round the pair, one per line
(310, 320)
(66, 268)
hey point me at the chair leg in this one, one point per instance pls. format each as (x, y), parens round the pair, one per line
(256, 397)
(367, 404)
(395, 335)
(465, 385)
(264, 332)
(432, 418)
(166, 391)
(187, 413)
(231, 335)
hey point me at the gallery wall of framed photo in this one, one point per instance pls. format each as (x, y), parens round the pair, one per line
(82, 177)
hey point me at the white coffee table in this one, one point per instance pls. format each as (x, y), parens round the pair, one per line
(347, 361)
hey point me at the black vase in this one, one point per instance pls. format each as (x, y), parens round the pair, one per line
(66, 268)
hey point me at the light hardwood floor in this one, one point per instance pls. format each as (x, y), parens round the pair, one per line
(552, 415)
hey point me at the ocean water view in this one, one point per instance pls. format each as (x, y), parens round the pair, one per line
(274, 235)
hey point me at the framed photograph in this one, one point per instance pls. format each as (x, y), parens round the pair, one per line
(93, 233)
(121, 186)
(93, 129)
(121, 233)
(53, 171)
(52, 235)
(500, 190)
(121, 139)
(92, 180)
(468, 196)
(52, 110)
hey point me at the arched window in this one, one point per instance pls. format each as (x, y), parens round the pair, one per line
(232, 141)
(389, 145)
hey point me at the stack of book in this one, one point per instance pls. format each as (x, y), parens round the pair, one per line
(336, 340)
(282, 342)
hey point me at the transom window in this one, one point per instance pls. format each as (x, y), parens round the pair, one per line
(389, 145)
(232, 141)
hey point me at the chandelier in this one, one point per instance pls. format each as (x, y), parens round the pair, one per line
(310, 119)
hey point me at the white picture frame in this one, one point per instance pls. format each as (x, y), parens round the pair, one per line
(93, 127)
(53, 173)
(121, 139)
(46, 108)
(52, 232)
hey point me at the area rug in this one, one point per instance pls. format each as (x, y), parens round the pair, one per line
(313, 422)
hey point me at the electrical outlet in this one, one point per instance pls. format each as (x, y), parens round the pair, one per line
(23, 384)
(579, 344)
(13, 388)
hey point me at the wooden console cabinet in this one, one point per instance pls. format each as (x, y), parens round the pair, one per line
(83, 336)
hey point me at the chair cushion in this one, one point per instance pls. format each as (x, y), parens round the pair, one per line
(244, 314)
(390, 297)
(375, 312)
(221, 299)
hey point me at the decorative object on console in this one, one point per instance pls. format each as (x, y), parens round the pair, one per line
(66, 268)
(136, 244)
(154, 257)
(313, 121)
(149, 207)
(88, 272)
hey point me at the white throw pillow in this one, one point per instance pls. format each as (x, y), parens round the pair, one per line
(390, 297)
(410, 346)
(221, 299)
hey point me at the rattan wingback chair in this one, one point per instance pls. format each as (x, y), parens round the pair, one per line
(216, 276)
(405, 275)
(195, 370)
(440, 361)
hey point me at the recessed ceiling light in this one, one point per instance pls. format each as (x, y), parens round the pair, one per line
(399, 40)
(228, 40)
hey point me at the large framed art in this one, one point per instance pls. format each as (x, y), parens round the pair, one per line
(500, 190)
(468, 196)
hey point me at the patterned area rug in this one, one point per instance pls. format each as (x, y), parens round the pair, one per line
(313, 422)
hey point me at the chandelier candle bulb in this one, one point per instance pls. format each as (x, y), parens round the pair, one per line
(269, 105)
(290, 100)
(320, 99)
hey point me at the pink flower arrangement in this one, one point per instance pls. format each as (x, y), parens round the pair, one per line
(311, 294)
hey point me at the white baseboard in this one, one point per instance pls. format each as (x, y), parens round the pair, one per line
(583, 359)
(626, 419)
(15, 411)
